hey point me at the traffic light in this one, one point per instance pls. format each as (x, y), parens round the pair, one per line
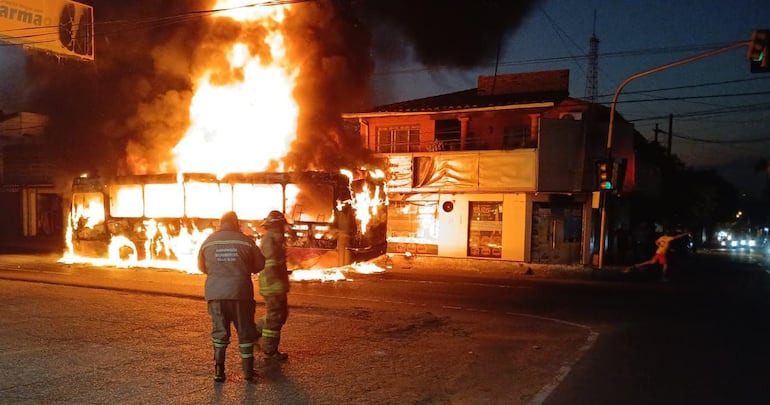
(603, 175)
(618, 173)
(757, 51)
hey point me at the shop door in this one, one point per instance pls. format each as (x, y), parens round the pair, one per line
(485, 229)
(557, 231)
(49, 215)
(10, 221)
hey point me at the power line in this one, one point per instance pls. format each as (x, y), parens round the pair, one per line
(638, 52)
(716, 141)
(561, 34)
(691, 86)
(135, 24)
(753, 93)
(717, 111)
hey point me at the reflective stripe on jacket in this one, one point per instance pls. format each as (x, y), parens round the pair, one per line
(229, 258)
(274, 279)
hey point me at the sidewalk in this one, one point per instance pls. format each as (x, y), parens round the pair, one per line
(490, 268)
(398, 263)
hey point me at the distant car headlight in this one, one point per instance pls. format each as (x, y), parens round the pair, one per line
(752, 243)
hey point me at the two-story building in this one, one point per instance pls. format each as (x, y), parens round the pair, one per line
(29, 198)
(505, 170)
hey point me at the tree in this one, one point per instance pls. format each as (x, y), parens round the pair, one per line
(762, 167)
(694, 199)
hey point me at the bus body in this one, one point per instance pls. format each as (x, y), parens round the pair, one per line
(334, 219)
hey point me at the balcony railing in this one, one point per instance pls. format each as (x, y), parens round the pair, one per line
(518, 138)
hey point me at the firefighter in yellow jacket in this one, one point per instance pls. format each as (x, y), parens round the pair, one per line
(273, 286)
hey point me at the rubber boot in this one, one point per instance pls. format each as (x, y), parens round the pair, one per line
(219, 373)
(276, 356)
(271, 339)
(247, 360)
(248, 369)
(219, 364)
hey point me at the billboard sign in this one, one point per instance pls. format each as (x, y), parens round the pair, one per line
(59, 26)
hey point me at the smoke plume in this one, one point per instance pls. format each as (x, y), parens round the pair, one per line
(132, 97)
(124, 113)
(448, 33)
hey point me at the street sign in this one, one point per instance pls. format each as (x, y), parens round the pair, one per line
(63, 27)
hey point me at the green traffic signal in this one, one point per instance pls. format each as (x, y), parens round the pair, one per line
(757, 51)
(603, 173)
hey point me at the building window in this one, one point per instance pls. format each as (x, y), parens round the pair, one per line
(398, 139)
(485, 233)
(448, 134)
(517, 137)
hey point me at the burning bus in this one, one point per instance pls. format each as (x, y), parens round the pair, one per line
(160, 220)
(255, 131)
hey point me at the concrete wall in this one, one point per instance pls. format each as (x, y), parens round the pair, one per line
(453, 226)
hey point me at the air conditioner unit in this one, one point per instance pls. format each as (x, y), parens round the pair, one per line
(577, 116)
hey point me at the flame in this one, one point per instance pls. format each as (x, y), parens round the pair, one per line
(366, 202)
(120, 244)
(89, 209)
(243, 118)
(366, 268)
(237, 126)
(336, 273)
(245, 125)
(424, 215)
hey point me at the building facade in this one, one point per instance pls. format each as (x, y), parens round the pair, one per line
(29, 198)
(503, 171)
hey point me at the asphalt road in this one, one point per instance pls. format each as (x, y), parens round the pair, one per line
(84, 334)
(700, 339)
(419, 334)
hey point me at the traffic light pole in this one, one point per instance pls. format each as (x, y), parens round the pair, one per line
(604, 194)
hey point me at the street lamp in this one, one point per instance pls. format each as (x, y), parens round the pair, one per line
(603, 225)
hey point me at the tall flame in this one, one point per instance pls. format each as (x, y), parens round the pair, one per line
(244, 125)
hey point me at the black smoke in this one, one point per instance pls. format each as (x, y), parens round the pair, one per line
(133, 100)
(447, 33)
(128, 97)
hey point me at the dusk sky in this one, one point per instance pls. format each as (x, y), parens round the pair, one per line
(636, 36)
(729, 132)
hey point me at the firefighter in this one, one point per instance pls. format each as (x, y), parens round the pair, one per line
(229, 258)
(273, 286)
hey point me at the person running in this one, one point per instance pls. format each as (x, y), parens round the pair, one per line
(663, 243)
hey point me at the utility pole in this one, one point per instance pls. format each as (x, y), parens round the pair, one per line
(670, 132)
(592, 74)
(657, 131)
(603, 225)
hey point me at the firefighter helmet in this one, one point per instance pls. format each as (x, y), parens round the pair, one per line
(274, 219)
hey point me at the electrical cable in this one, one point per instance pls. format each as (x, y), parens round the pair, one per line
(132, 25)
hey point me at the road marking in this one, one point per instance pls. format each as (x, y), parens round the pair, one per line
(564, 371)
